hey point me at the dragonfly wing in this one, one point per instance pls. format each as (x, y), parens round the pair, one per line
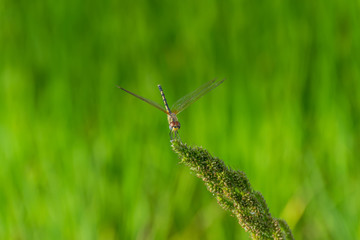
(155, 104)
(187, 100)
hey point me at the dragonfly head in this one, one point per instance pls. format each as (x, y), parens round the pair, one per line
(174, 126)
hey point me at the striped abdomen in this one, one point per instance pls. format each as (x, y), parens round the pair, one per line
(164, 99)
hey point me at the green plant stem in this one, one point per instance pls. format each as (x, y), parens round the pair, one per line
(233, 192)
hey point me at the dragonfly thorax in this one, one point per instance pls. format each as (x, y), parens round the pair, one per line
(174, 124)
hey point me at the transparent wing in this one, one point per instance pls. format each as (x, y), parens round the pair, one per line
(189, 99)
(155, 104)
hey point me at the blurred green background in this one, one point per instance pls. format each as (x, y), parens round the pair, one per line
(81, 159)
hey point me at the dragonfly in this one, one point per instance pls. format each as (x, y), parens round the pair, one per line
(179, 105)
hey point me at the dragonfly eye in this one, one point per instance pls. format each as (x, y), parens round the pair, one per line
(175, 128)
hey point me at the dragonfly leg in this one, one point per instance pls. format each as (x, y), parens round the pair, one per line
(171, 135)
(177, 136)
(174, 135)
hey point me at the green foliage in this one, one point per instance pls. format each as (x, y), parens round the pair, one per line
(233, 192)
(80, 159)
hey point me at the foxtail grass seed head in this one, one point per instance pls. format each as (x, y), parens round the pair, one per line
(233, 192)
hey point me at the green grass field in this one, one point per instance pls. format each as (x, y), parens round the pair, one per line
(81, 159)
